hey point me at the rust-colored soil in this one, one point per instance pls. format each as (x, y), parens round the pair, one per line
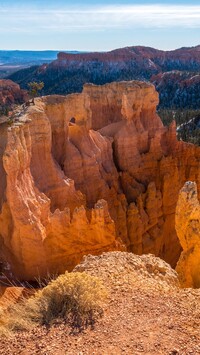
(146, 314)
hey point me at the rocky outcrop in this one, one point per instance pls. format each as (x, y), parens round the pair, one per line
(135, 271)
(188, 230)
(44, 226)
(11, 93)
(88, 173)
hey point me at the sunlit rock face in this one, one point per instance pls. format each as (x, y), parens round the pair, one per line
(188, 230)
(87, 173)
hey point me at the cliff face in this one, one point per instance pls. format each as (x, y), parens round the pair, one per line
(11, 93)
(188, 230)
(187, 57)
(87, 173)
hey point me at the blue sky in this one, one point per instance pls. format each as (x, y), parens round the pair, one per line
(98, 25)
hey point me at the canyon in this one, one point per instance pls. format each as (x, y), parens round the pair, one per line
(174, 73)
(90, 172)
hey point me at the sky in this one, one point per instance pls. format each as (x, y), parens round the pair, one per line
(98, 25)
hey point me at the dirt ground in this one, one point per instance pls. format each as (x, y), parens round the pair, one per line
(146, 313)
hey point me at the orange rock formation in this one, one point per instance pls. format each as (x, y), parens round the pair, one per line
(87, 173)
(188, 230)
(11, 93)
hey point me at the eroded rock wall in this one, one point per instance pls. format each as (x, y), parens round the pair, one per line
(36, 240)
(11, 93)
(188, 230)
(91, 172)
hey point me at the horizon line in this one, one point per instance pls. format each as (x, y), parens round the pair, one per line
(93, 50)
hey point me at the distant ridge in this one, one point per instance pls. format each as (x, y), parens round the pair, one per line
(70, 71)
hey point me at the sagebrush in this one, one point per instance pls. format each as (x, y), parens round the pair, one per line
(75, 298)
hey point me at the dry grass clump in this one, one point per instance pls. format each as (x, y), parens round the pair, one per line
(75, 298)
(4, 331)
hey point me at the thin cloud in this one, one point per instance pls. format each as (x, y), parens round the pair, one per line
(38, 20)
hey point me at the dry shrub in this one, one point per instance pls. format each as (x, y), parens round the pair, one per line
(75, 298)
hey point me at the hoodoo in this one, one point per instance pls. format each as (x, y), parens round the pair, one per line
(87, 173)
(188, 230)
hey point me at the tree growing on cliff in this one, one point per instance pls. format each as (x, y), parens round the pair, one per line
(34, 89)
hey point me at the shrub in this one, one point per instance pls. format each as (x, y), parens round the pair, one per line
(75, 298)
(34, 88)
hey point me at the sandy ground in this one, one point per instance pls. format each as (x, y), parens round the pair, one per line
(146, 313)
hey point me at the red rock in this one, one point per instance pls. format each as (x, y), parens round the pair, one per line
(11, 93)
(187, 227)
(91, 172)
(137, 53)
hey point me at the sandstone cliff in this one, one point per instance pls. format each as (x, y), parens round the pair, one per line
(11, 93)
(87, 173)
(188, 230)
